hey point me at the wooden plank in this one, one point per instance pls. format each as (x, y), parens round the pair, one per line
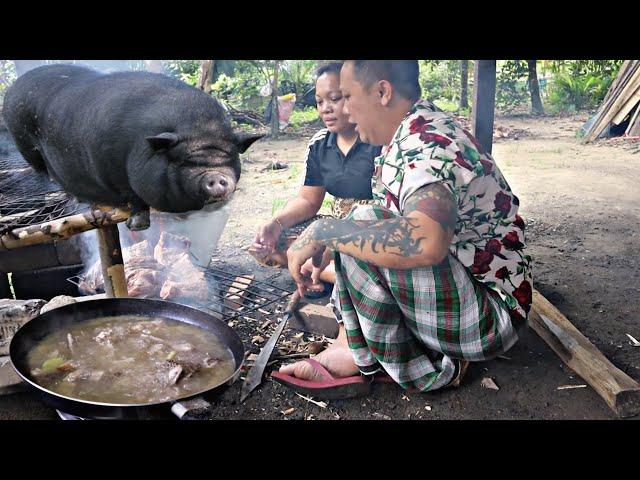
(626, 72)
(627, 107)
(619, 391)
(634, 125)
(484, 95)
(235, 296)
(115, 282)
(614, 108)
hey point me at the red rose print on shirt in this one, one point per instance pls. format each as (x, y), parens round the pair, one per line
(502, 203)
(434, 137)
(512, 242)
(524, 294)
(502, 273)
(481, 261)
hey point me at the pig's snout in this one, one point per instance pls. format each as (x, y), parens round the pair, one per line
(216, 185)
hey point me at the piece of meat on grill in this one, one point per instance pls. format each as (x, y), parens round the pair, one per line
(144, 282)
(186, 280)
(144, 274)
(170, 247)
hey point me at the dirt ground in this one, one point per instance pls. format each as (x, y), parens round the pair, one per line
(581, 207)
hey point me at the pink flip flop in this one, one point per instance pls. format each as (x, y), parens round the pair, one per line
(329, 387)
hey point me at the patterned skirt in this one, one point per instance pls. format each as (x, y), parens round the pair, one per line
(415, 323)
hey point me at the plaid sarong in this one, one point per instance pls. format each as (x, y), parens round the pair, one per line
(415, 323)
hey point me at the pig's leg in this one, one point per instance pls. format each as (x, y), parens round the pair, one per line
(139, 219)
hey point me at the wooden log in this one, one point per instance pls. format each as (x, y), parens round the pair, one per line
(61, 228)
(115, 282)
(235, 296)
(484, 95)
(618, 390)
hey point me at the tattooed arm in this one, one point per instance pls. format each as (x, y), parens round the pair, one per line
(419, 238)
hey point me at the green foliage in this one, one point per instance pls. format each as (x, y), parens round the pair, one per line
(300, 117)
(511, 85)
(240, 91)
(7, 76)
(440, 79)
(603, 68)
(186, 70)
(575, 92)
(446, 105)
(300, 74)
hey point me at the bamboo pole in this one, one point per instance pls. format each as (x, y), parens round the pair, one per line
(115, 282)
(62, 228)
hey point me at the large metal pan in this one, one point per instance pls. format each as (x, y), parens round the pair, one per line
(35, 330)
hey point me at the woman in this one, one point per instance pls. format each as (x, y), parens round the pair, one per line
(337, 162)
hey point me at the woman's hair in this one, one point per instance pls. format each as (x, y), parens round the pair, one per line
(333, 67)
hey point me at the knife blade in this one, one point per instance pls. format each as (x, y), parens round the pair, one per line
(254, 376)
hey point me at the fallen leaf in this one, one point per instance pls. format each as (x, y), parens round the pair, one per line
(488, 382)
(384, 417)
(404, 397)
(634, 342)
(266, 324)
(257, 339)
(311, 400)
(569, 387)
(288, 411)
(427, 408)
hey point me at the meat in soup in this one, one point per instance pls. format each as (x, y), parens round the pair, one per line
(130, 360)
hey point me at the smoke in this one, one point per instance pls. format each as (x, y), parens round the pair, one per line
(202, 227)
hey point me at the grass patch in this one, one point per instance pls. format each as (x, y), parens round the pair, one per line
(301, 117)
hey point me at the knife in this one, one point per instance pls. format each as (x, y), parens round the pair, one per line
(254, 376)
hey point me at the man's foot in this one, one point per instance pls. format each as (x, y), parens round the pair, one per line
(337, 359)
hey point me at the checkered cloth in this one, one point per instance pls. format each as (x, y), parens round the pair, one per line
(416, 323)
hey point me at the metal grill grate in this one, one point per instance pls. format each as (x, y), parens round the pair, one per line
(28, 197)
(255, 297)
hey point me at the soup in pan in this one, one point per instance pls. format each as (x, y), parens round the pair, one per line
(130, 360)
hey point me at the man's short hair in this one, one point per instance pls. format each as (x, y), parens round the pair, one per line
(333, 67)
(402, 74)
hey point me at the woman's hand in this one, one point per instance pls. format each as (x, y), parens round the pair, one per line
(266, 240)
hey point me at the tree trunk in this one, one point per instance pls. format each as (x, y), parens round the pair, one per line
(206, 75)
(23, 66)
(464, 84)
(534, 89)
(275, 118)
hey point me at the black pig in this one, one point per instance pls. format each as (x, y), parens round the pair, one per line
(129, 137)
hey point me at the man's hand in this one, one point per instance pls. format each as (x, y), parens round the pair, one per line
(309, 270)
(303, 249)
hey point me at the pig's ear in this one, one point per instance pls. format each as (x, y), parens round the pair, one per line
(245, 140)
(163, 141)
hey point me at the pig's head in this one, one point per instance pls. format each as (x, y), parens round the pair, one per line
(190, 170)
